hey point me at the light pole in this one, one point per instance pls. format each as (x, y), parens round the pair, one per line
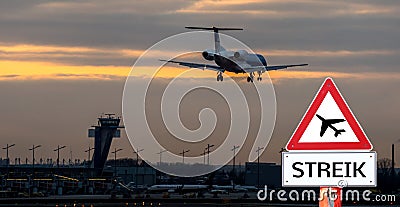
(58, 154)
(392, 172)
(88, 151)
(8, 158)
(6, 148)
(204, 156)
(258, 165)
(233, 169)
(33, 154)
(208, 152)
(70, 156)
(160, 153)
(115, 160)
(183, 155)
(137, 166)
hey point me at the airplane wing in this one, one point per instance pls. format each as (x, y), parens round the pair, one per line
(334, 121)
(268, 68)
(196, 65)
(324, 126)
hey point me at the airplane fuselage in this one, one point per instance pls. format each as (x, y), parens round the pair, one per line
(329, 123)
(227, 64)
(232, 64)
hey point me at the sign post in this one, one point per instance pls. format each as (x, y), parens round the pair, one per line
(329, 149)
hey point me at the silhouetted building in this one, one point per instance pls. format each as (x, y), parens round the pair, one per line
(270, 174)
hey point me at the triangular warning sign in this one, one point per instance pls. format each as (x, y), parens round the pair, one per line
(329, 124)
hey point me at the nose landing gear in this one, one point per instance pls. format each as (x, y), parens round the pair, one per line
(220, 77)
(259, 78)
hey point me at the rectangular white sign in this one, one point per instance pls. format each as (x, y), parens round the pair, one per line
(328, 169)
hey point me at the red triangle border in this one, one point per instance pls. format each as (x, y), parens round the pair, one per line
(329, 86)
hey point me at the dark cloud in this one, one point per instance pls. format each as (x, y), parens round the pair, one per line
(109, 24)
(306, 25)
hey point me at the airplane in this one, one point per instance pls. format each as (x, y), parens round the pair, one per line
(230, 188)
(240, 61)
(176, 188)
(328, 123)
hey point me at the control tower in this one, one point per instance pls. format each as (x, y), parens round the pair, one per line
(107, 128)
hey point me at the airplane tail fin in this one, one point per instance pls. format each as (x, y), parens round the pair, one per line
(339, 132)
(217, 42)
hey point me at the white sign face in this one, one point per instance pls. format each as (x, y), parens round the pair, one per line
(327, 111)
(341, 169)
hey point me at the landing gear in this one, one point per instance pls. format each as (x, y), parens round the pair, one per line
(220, 77)
(259, 78)
(251, 77)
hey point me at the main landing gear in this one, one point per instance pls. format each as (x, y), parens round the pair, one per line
(220, 77)
(251, 76)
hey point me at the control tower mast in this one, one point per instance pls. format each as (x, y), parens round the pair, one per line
(107, 128)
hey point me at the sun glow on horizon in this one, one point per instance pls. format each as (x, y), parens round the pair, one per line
(36, 62)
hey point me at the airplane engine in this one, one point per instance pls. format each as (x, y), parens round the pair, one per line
(208, 55)
(242, 54)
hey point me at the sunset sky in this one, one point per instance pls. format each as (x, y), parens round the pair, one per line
(63, 63)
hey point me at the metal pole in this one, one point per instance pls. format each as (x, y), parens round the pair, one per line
(88, 151)
(183, 155)
(393, 172)
(33, 154)
(33, 159)
(58, 154)
(392, 158)
(8, 158)
(6, 148)
(233, 169)
(70, 154)
(208, 152)
(115, 160)
(160, 153)
(137, 167)
(258, 166)
(204, 156)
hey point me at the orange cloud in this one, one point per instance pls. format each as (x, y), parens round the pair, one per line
(43, 48)
(27, 68)
(44, 70)
(332, 8)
